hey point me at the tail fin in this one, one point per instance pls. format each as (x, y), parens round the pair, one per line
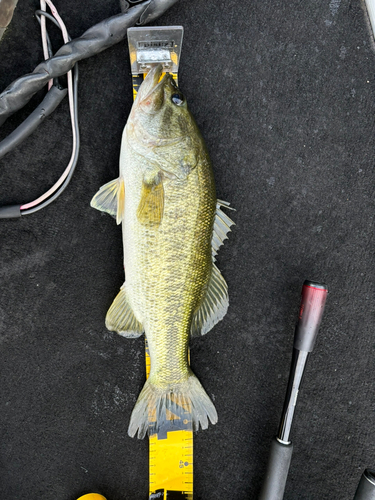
(154, 401)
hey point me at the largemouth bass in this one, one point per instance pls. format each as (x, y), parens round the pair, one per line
(173, 226)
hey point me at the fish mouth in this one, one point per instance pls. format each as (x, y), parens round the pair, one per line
(152, 82)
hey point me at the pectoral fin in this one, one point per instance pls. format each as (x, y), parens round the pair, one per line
(214, 305)
(151, 207)
(111, 199)
(121, 319)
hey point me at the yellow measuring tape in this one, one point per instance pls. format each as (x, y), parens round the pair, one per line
(171, 448)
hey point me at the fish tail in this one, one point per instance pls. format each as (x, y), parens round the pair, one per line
(156, 407)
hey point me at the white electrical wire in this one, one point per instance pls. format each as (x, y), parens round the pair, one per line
(71, 107)
(43, 29)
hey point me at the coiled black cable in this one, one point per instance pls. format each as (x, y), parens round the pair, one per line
(51, 100)
(17, 94)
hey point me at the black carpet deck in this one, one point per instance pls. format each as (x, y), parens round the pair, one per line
(284, 95)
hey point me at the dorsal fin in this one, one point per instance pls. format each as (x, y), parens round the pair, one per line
(214, 305)
(111, 199)
(222, 225)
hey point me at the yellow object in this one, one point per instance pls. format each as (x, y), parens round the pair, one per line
(171, 463)
(92, 496)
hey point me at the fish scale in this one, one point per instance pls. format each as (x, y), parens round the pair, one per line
(170, 298)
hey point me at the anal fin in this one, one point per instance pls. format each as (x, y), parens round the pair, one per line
(120, 317)
(214, 305)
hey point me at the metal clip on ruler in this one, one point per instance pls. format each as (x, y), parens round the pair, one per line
(171, 447)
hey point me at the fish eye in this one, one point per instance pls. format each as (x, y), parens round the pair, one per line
(177, 99)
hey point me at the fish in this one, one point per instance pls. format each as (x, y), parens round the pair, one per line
(173, 226)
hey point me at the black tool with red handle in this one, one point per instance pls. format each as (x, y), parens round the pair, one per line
(313, 300)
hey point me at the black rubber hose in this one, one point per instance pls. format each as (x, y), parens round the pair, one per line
(155, 10)
(10, 212)
(50, 102)
(94, 40)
